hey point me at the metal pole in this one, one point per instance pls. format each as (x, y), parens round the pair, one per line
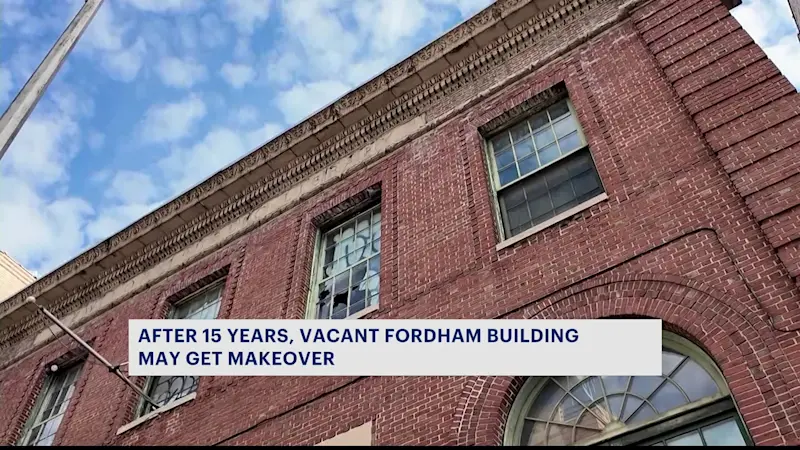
(22, 106)
(111, 368)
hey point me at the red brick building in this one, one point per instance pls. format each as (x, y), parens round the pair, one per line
(580, 159)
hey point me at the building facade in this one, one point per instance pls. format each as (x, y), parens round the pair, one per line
(13, 277)
(544, 159)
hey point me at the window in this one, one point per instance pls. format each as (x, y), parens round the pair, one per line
(164, 390)
(52, 403)
(347, 278)
(688, 405)
(542, 168)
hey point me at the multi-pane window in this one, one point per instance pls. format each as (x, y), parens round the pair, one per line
(542, 168)
(166, 389)
(52, 403)
(689, 404)
(348, 277)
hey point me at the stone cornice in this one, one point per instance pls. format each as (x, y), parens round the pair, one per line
(360, 133)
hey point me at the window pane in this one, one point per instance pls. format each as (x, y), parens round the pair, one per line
(667, 397)
(615, 405)
(563, 197)
(204, 305)
(565, 126)
(544, 138)
(508, 175)
(523, 148)
(596, 405)
(569, 143)
(201, 306)
(504, 157)
(669, 361)
(538, 121)
(695, 381)
(644, 386)
(353, 281)
(613, 385)
(51, 405)
(724, 433)
(502, 140)
(514, 196)
(541, 208)
(587, 185)
(558, 110)
(528, 165)
(689, 439)
(520, 132)
(549, 154)
(518, 216)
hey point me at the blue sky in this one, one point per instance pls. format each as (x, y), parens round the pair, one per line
(160, 94)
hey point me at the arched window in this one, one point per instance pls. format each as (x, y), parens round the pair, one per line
(688, 405)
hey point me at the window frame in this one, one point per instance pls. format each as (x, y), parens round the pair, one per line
(650, 430)
(318, 255)
(142, 406)
(494, 175)
(713, 412)
(47, 383)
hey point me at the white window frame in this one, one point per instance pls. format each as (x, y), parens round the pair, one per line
(533, 386)
(318, 256)
(148, 384)
(494, 175)
(35, 418)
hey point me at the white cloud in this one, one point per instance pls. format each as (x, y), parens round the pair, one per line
(5, 85)
(46, 143)
(161, 6)
(246, 115)
(105, 31)
(132, 187)
(95, 140)
(101, 176)
(212, 30)
(261, 136)
(14, 12)
(184, 167)
(38, 232)
(303, 99)
(172, 121)
(124, 65)
(237, 75)
(129, 195)
(113, 219)
(786, 55)
(183, 73)
(281, 66)
(247, 14)
(466, 8)
(770, 24)
(105, 40)
(390, 22)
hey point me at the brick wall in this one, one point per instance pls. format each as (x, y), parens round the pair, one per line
(690, 234)
(747, 111)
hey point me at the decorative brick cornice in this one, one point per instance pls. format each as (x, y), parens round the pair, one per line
(340, 145)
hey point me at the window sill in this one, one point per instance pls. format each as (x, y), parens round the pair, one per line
(550, 222)
(358, 315)
(156, 413)
(362, 313)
